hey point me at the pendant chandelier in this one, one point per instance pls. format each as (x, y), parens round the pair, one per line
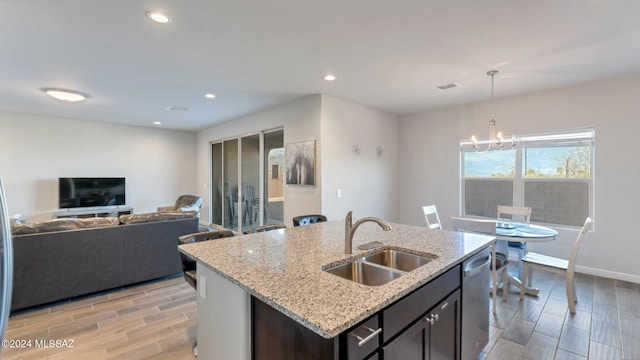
(496, 141)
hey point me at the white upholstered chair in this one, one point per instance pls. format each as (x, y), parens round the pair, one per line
(499, 260)
(564, 267)
(431, 215)
(520, 214)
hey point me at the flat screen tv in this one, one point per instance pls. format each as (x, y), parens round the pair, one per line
(88, 192)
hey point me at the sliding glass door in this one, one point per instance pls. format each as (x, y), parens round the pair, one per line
(250, 185)
(274, 173)
(247, 180)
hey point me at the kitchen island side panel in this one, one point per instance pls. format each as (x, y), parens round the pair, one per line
(224, 318)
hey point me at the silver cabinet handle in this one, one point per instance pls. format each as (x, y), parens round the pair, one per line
(373, 334)
(431, 318)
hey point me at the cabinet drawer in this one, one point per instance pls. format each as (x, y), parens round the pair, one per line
(402, 313)
(363, 339)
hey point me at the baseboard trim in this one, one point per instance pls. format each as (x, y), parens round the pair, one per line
(608, 274)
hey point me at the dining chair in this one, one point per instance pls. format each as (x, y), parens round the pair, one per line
(521, 214)
(189, 264)
(250, 204)
(564, 267)
(303, 220)
(430, 211)
(499, 260)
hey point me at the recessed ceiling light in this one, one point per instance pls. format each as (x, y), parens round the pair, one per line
(210, 96)
(65, 95)
(157, 123)
(158, 17)
(329, 77)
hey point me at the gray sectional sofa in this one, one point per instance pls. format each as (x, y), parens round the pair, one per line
(51, 263)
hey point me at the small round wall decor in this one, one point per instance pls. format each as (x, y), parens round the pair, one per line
(379, 152)
(355, 149)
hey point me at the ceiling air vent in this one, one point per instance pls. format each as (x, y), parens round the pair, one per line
(177, 108)
(448, 86)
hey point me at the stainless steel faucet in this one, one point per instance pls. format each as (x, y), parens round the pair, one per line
(350, 229)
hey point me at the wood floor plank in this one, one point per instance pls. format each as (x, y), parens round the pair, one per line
(518, 331)
(134, 352)
(631, 346)
(605, 333)
(557, 307)
(602, 351)
(541, 347)
(562, 354)
(581, 319)
(529, 312)
(501, 318)
(505, 349)
(575, 340)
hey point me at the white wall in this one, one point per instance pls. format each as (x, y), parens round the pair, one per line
(368, 183)
(35, 150)
(429, 171)
(301, 122)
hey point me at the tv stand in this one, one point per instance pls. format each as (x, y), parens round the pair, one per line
(93, 212)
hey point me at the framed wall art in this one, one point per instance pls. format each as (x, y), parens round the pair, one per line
(300, 160)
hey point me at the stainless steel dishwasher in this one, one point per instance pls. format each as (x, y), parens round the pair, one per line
(475, 304)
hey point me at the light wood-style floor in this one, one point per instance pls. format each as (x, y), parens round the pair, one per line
(157, 320)
(606, 324)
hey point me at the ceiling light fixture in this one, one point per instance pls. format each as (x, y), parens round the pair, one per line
(496, 141)
(210, 96)
(329, 77)
(65, 95)
(158, 17)
(157, 123)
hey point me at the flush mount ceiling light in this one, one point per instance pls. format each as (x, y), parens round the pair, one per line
(210, 96)
(448, 86)
(496, 141)
(329, 77)
(157, 123)
(65, 95)
(158, 17)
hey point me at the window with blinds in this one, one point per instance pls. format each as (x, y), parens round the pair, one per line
(552, 173)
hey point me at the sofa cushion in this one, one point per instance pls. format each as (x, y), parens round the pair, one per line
(63, 224)
(156, 216)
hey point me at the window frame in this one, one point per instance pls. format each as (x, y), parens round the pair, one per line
(561, 138)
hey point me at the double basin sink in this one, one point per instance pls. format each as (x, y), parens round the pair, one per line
(379, 267)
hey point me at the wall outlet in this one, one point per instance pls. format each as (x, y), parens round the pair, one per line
(202, 286)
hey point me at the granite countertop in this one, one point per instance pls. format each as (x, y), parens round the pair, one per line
(283, 268)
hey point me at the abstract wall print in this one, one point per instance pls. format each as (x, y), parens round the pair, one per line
(301, 163)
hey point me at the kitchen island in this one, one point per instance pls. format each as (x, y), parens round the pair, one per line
(283, 269)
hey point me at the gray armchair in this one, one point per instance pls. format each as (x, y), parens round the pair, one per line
(184, 203)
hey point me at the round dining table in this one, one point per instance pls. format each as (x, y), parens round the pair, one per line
(521, 232)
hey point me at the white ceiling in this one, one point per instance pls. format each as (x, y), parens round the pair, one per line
(255, 54)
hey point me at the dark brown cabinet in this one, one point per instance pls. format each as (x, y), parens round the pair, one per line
(423, 325)
(434, 337)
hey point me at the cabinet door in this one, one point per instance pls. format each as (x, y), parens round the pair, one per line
(410, 345)
(444, 342)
